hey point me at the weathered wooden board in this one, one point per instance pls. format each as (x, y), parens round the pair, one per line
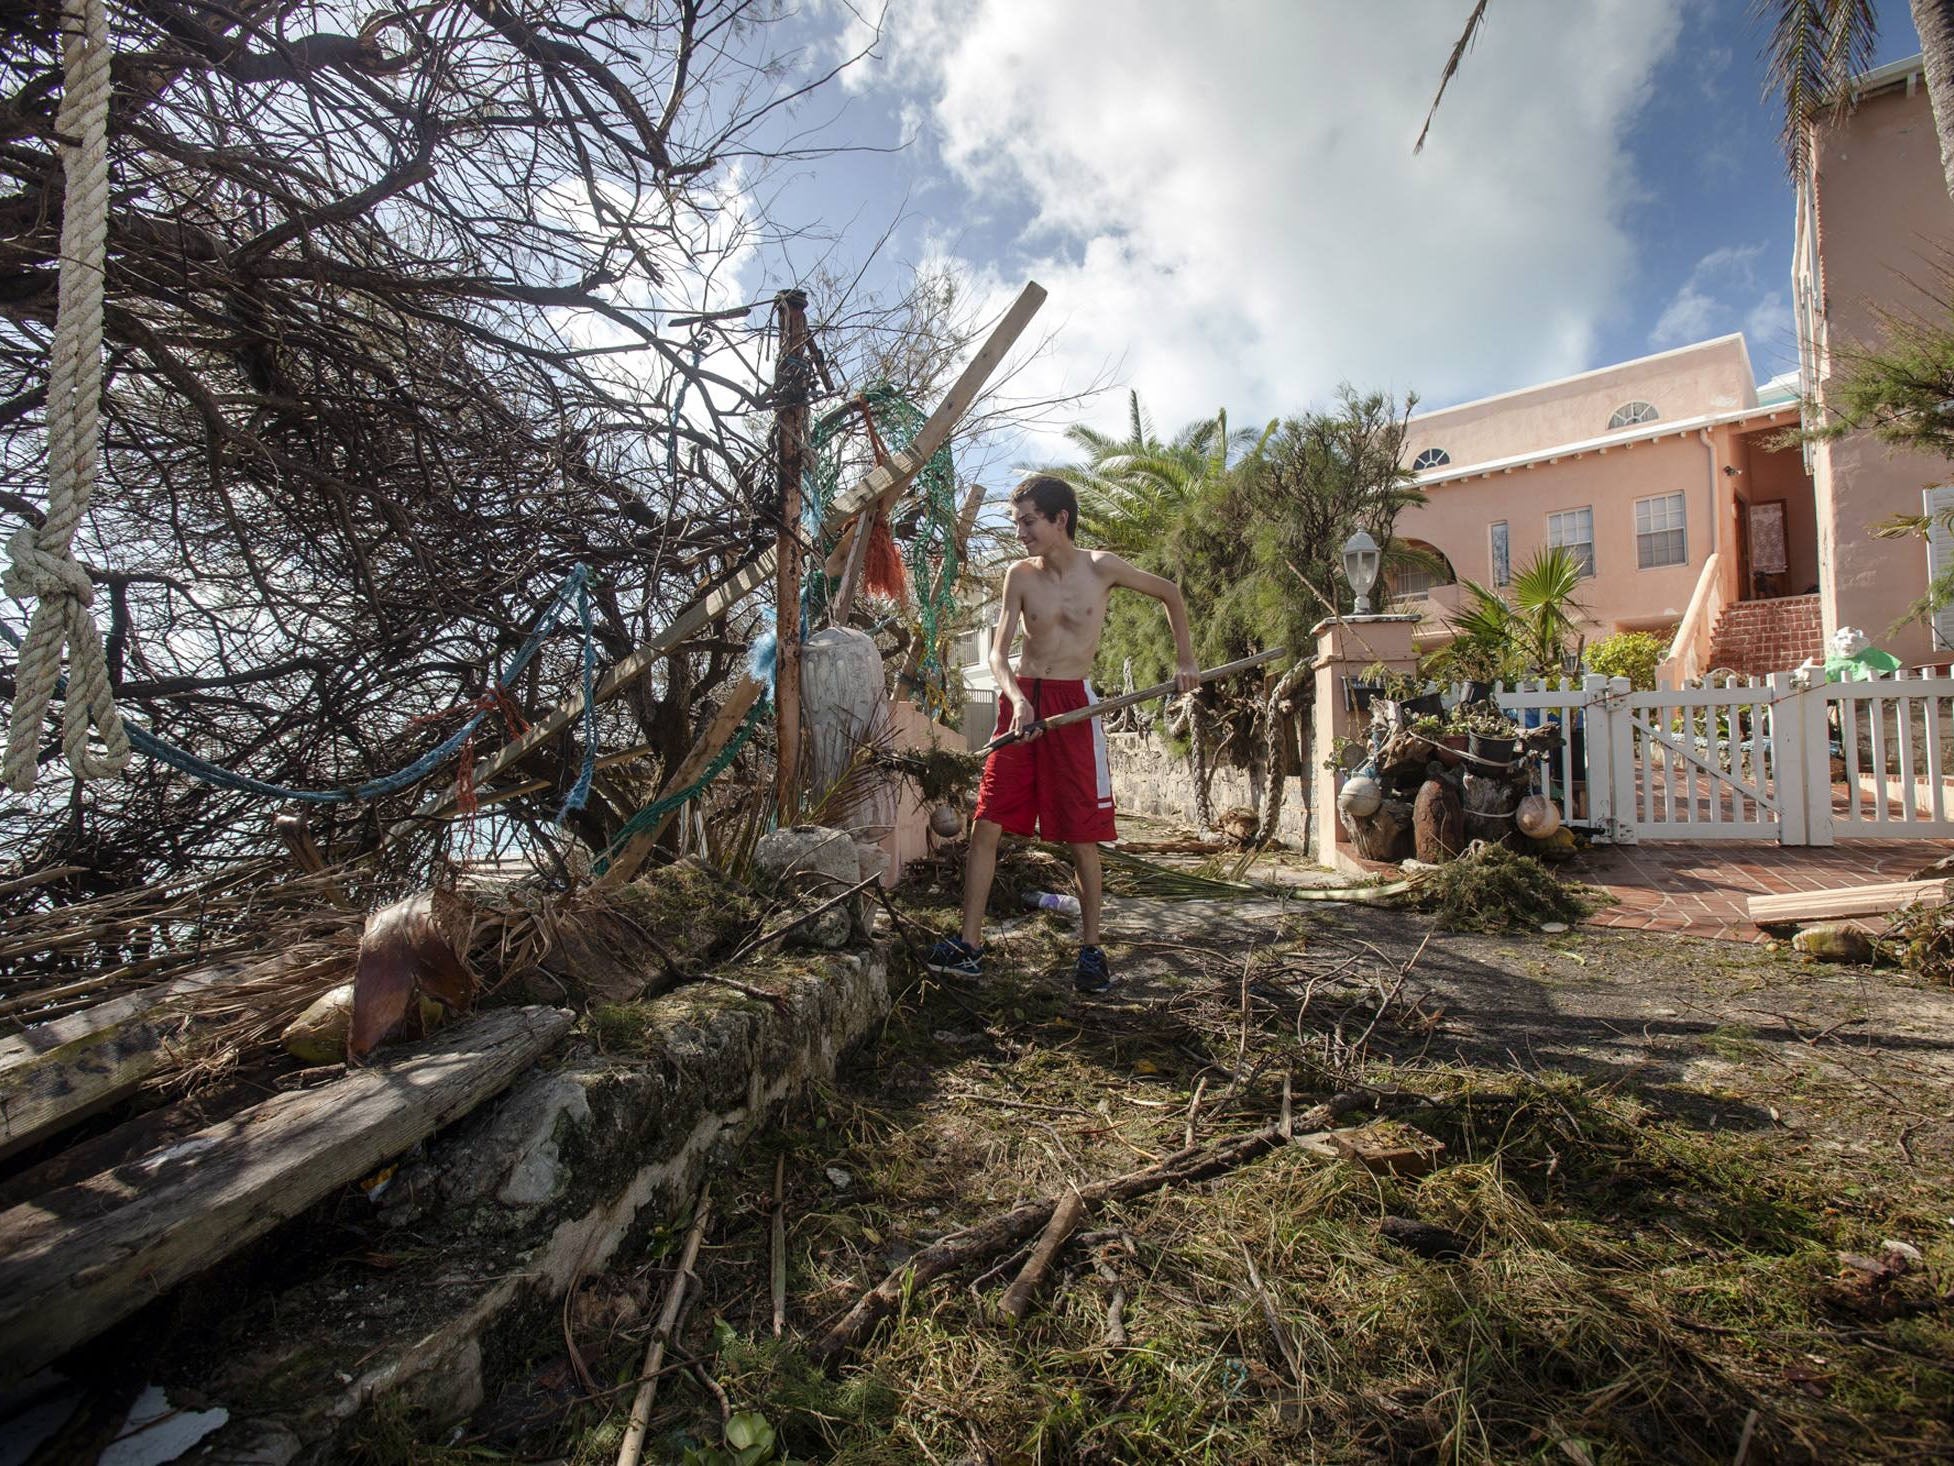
(77, 1260)
(55, 1073)
(1876, 900)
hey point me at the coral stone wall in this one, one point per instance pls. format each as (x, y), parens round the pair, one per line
(1150, 779)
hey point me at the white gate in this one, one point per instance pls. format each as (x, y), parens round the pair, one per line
(1888, 749)
(1750, 760)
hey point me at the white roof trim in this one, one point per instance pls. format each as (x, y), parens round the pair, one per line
(1647, 433)
(1891, 72)
(1737, 336)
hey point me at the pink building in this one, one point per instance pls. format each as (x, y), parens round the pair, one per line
(1663, 473)
(1875, 231)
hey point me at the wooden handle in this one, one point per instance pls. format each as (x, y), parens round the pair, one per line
(1128, 699)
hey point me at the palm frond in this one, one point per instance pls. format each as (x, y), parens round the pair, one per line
(1812, 51)
(1464, 45)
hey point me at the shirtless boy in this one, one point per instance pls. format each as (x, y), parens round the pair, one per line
(1053, 783)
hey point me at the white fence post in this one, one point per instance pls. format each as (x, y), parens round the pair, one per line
(1600, 770)
(1816, 747)
(1620, 743)
(1790, 760)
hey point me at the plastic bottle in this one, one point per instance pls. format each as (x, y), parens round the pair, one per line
(1047, 901)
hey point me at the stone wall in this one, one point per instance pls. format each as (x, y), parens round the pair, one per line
(1150, 778)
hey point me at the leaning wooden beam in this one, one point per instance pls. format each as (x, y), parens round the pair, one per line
(1876, 900)
(56, 1073)
(719, 732)
(898, 470)
(80, 1259)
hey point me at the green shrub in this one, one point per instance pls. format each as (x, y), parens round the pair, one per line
(1630, 654)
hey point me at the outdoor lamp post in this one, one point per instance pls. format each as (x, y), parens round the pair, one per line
(1360, 565)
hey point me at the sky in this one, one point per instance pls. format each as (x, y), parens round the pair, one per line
(1223, 202)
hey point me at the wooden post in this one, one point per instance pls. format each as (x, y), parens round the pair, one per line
(791, 378)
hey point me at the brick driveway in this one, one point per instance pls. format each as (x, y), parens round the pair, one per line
(1700, 890)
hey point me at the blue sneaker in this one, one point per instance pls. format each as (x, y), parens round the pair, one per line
(1092, 974)
(954, 957)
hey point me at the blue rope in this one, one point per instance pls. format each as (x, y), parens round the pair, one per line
(576, 583)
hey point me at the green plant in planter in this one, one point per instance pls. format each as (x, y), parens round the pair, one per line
(1394, 686)
(1428, 727)
(1484, 720)
(1474, 659)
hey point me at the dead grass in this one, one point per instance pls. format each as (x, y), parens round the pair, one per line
(1633, 1287)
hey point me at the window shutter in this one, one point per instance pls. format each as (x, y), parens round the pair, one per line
(1940, 556)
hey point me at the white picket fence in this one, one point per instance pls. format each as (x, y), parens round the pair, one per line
(1748, 760)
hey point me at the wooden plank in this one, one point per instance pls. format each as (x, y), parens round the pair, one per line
(884, 478)
(56, 1073)
(78, 1260)
(725, 724)
(1875, 900)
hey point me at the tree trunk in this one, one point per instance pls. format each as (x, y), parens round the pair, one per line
(1934, 20)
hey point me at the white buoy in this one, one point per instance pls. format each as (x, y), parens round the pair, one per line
(947, 821)
(1536, 817)
(1360, 797)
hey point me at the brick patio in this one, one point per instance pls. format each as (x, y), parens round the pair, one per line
(1700, 890)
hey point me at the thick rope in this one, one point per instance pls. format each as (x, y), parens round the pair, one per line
(42, 564)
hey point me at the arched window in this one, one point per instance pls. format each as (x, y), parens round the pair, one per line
(1431, 458)
(1632, 414)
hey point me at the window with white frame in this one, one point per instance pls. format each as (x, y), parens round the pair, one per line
(1632, 414)
(1431, 458)
(1413, 580)
(1573, 530)
(1502, 554)
(1660, 534)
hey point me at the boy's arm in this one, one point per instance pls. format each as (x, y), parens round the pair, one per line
(1022, 713)
(1187, 675)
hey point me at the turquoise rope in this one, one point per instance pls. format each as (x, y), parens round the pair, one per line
(648, 817)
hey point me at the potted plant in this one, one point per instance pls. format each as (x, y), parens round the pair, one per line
(1409, 692)
(1360, 691)
(1491, 736)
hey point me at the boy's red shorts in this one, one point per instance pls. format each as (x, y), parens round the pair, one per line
(1059, 785)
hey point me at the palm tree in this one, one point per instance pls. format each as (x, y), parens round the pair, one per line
(1130, 490)
(1815, 49)
(1527, 635)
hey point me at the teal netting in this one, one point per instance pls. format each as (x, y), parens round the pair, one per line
(931, 553)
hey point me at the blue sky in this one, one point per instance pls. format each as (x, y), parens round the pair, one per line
(1223, 201)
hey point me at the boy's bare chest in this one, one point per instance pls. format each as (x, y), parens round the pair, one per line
(1074, 604)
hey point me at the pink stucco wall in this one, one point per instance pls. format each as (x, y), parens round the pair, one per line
(1874, 227)
(1708, 377)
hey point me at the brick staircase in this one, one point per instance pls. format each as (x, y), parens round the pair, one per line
(1757, 638)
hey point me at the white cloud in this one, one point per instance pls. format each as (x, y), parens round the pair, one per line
(1724, 293)
(1224, 198)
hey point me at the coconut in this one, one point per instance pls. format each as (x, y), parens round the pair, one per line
(947, 821)
(318, 1035)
